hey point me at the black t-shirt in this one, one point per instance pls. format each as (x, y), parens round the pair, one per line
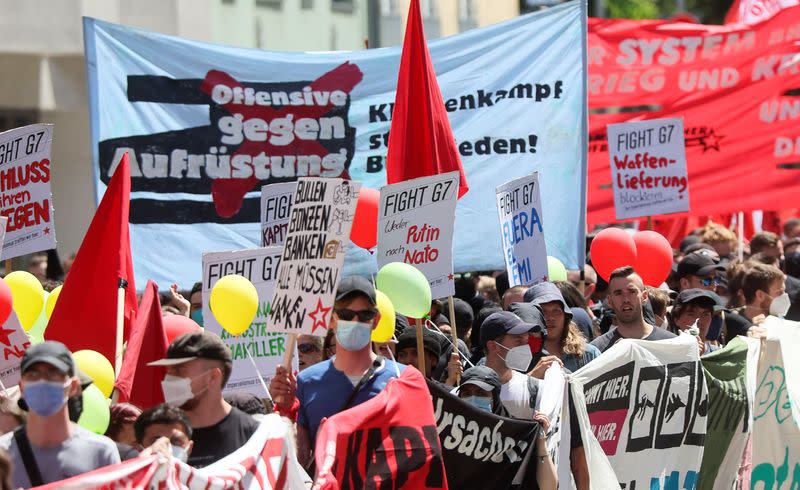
(735, 324)
(611, 337)
(217, 441)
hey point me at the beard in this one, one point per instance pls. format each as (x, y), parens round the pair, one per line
(629, 316)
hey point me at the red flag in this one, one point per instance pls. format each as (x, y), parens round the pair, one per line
(390, 441)
(421, 142)
(137, 382)
(85, 315)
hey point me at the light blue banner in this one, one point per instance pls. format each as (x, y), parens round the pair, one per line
(206, 126)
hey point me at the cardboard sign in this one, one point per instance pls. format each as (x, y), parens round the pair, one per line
(520, 211)
(648, 167)
(260, 266)
(14, 342)
(313, 254)
(25, 197)
(276, 208)
(415, 225)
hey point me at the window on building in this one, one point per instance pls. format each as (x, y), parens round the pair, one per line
(466, 10)
(273, 4)
(427, 8)
(229, 2)
(389, 7)
(306, 4)
(346, 6)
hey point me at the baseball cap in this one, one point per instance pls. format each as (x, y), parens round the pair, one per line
(700, 295)
(195, 345)
(429, 341)
(50, 352)
(698, 264)
(503, 323)
(483, 377)
(355, 285)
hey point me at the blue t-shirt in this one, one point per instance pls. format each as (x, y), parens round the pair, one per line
(573, 362)
(323, 390)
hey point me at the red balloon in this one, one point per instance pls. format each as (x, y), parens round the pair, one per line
(612, 248)
(654, 257)
(6, 302)
(177, 325)
(364, 232)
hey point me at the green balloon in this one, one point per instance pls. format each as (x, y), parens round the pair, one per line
(406, 287)
(36, 333)
(555, 270)
(96, 414)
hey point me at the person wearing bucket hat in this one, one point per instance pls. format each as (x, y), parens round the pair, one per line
(49, 447)
(564, 341)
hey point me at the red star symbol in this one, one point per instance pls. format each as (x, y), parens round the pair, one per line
(318, 316)
(4, 334)
(450, 277)
(47, 231)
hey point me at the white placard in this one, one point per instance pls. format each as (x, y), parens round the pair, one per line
(14, 342)
(25, 196)
(520, 210)
(648, 168)
(415, 225)
(276, 208)
(313, 254)
(260, 266)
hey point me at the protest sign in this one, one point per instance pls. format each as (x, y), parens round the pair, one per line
(415, 226)
(312, 256)
(524, 248)
(259, 266)
(648, 166)
(200, 145)
(14, 342)
(266, 462)
(276, 206)
(389, 441)
(25, 197)
(481, 449)
(647, 408)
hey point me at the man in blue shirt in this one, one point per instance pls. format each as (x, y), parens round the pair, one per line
(353, 376)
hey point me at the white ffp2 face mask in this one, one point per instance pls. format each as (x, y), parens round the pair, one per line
(177, 390)
(518, 358)
(780, 305)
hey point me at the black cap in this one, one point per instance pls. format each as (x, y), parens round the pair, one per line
(698, 264)
(195, 345)
(502, 323)
(430, 342)
(355, 285)
(464, 314)
(53, 353)
(697, 295)
(483, 377)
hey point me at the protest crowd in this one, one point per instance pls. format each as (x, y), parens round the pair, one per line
(359, 345)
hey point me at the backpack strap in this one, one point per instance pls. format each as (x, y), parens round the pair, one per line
(26, 453)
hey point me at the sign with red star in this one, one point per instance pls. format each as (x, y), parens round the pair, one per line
(319, 316)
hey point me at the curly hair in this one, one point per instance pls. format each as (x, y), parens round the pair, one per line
(573, 341)
(716, 233)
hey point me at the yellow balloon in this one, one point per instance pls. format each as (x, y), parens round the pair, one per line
(28, 296)
(385, 329)
(50, 304)
(234, 303)
(98, 368)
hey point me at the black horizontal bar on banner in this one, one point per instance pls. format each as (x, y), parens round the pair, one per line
(185, 212)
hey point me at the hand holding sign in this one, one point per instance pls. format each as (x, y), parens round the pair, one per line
(234, 303)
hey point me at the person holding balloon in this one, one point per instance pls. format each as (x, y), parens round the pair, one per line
(60, 448)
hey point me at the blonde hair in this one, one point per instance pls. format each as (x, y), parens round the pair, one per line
(573, 342)
(713, 233)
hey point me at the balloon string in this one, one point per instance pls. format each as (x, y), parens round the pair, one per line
(455, 348)
(258, 373)
(391, 356)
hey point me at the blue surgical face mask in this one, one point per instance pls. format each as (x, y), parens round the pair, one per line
(482, 402)
(197, 316)
(352, 336)
(45, 398)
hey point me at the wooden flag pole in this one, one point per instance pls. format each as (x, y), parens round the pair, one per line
(289, 352)
(420, 348)
(123, 284)
(649, 222)
(454, 334)
(740, 233)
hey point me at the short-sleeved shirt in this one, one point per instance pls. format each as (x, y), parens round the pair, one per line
(214, 442)
(573, 362)
(323, 390)
(82, 452)
(516, 396)
(605, 341)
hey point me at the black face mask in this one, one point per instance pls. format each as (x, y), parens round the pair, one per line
(75, 407)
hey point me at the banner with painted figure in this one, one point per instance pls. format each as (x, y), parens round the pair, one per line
(642, 409)
(259, 266)
(25, 196)
(208, 125)
(267, 461)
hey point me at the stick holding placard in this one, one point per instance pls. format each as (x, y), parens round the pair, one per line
(420, 348)
(123, 284)
(454, 333)
(289, 353)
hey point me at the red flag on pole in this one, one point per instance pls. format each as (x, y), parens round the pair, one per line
(137, 382)
(86, 311)
(421, 142)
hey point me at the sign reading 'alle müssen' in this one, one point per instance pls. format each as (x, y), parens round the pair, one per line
(276, 208)
(520, 210)
(648, 168)
(313, 254)
(415, 225)
(25, 196)
(259, 266)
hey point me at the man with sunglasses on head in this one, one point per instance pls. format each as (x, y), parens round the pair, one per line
(354, 376)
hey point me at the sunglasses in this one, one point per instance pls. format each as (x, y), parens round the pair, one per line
(363, 315)
(307, 348)
(708, 281)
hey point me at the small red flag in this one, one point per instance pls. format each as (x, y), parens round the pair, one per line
(137, 382)
(421, 142)
(85, 315)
